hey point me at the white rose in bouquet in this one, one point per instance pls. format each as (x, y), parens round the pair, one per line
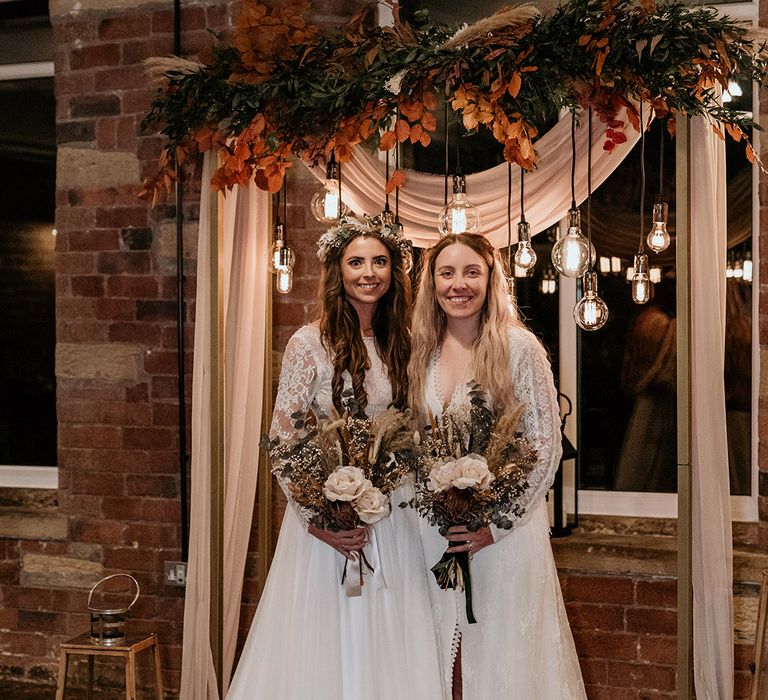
(345, 484)
(441, 476)
(371, 505)
(473, 473)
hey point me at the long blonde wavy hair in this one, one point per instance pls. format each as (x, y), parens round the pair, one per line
(490, 353)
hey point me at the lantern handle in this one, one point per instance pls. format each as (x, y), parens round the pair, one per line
(106, 578)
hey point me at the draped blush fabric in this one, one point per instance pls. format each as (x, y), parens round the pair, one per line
(547, 189)
(244, 228)
(198, 676)
(247, 241)
(712, 568)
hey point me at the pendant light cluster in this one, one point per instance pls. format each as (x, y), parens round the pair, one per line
(590, 312)
(573, 255)
(641, 283)
(282, 259)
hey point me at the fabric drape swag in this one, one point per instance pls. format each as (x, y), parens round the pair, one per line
(547, 189)
(712, 569)
(245, 228)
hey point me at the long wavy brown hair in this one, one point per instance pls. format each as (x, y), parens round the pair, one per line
(490, 353)
(340, 328)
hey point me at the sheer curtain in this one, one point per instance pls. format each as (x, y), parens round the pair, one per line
(712, 569)
(244, 228)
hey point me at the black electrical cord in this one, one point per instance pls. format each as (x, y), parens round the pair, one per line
(180, 322)
(573, 160)
(510, 269)
(445, 134)
(641, 248)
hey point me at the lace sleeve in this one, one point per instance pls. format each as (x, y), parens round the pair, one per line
(534, 386)
(296, 388)
(295, 394)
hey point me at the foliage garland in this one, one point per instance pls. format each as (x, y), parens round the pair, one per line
(283, 89)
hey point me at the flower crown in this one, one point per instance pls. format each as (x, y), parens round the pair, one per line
(381, 226)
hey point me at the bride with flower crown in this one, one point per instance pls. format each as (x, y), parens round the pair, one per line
(308, 639)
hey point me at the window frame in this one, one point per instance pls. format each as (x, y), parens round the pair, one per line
(16, 475)
(655, 504)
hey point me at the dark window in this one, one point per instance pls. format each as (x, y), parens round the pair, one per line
(27, 199)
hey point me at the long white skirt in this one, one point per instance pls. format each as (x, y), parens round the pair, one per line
(521, 645)
(309, 640)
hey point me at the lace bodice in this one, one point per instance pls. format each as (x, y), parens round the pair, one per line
(305, 383)
(534, 387)
(306, 376)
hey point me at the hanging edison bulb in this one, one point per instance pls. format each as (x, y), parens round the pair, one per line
(573, 254)
(525, 255)
(285, 263)
(278, 243)
(658, 238)
(590, 312)
(641, 283)
(326, 205)
(459, 215)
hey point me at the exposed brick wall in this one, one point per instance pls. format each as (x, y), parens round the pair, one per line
(116, 342)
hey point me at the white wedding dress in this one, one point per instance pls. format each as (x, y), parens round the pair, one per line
(521, 647)
(308, 640)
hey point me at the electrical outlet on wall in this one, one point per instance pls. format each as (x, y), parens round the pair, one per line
(175, 573)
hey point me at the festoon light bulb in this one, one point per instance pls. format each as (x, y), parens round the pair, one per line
(658, 238)
(459, 215)
(590, 312)
(278, 242)
(285, 263)
(525, 255)
(326, 205)
(573, 254)
(641, 283)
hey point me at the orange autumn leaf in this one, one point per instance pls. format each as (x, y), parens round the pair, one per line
(734, 132)
(402, 130)
(584, 39)
(515, 84)
(606, 22)
(751, 155)
(387, 141)
(416, 132)
(429, 101)
(599, 60)
(412, 109)
(275, 183)
(425, 139)
(396, 181)
(428, 121)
